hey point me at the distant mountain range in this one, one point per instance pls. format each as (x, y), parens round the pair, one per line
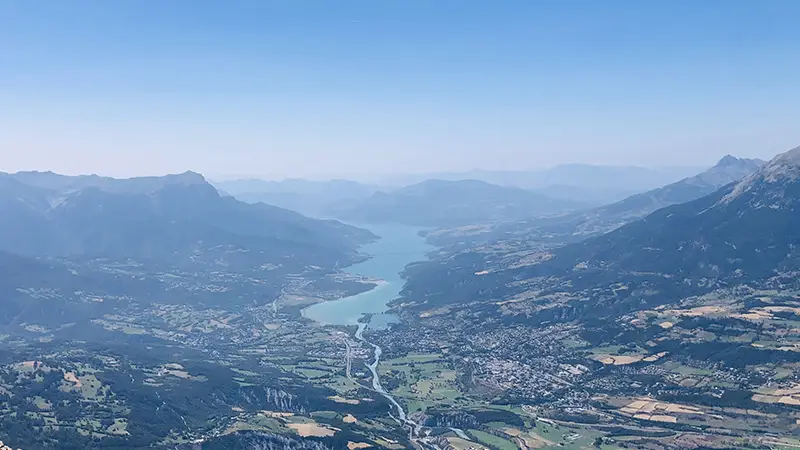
(177, 219)
(728, 170)
(313, 198)
(746, 232)
(585, 183)
(748, 229)
(587, 222)
(707, 286)
(436, 203)
(566, 193)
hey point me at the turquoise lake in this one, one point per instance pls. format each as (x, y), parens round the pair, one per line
(399, 246)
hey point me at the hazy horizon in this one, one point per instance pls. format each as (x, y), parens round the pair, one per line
(376, 177)
(366, 177)
(408, 224)
(287, 90)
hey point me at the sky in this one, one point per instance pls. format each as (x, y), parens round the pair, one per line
(306, 88)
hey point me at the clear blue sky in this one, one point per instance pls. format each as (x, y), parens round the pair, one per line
(301, 87)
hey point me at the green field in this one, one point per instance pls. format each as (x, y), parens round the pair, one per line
(492, 440)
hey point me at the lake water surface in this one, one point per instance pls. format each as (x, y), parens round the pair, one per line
(399, 245)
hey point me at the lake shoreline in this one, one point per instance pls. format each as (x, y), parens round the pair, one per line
(398, 247)
(376, 284)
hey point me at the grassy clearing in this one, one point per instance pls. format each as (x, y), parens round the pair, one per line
(564, 437)
(246, 373)
(42, 403)
(414, 358)
(462, 444)
(611, 349)
(311, 429)
(242, 382)
(255, 423)
(429, 381)
(312, 373)
(492, 440)
(119, 427)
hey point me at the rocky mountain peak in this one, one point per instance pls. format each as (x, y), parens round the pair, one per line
(732, 162)
(792, 157)
(727, 160)
(782, 169)
(187, 177)
(68, 184)
(726, 171)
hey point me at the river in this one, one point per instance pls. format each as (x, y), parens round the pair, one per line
(398, 247)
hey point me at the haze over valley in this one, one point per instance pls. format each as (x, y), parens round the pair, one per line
(105, 279)
(476, 226)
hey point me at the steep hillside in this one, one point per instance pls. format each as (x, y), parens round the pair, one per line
(575, 226)
(178, 219)
(750, 229)
(313, 198)
(728, 170)
(686, 316)
(745, 231)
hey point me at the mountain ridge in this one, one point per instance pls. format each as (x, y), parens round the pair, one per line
(312, 198)
(59, 182)
(46, 214)
(745, 230)
(784, 165)
(727, 170)
(460, 202)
